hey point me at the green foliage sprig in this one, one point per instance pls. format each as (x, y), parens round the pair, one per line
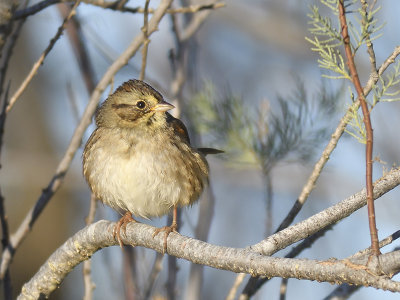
(364, 28)
(262, 135)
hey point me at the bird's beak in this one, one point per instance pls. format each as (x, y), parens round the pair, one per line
(162, 106)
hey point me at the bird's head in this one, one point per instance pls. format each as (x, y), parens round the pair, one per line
(132, 105)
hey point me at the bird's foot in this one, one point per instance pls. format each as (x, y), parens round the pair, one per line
(167, 230)
(127, 218)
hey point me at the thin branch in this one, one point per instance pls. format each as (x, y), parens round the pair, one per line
(146, 39)
(155, 271)
(390, 60)
(115, 5)
(129, 262)
(172, 266)
(344, 291)
(76, 39)
(331, 215)
(238, 281)
(99, 235)
(387, 241)
(318, 167)
(283, 289)
(368, 127)
(254, 284)
(195, 24)
(75, 142)
(204, 220)
(33, 9)
(370, 46)
(39, 62)
(87, 277)
(269, 200)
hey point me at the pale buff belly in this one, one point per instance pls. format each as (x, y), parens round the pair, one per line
(147, 183)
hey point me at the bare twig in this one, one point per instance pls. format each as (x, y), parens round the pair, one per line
(309, 186)
(283, 289)
(254, 284)
(386, 241)
(74, 31)
(87, 277)
(238, 281)
(204, 220)
(155, 270)
(172, 266)
(370, 46)
(129, 263)
(268, 201)
(75, 142)
(33, 9)
(115, 5)
(39, 62)
(194, 25)
(326, 217)
(146, 39)
(344, 291)
(368, 127)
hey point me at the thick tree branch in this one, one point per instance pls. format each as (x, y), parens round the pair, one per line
(94, 237)
(99, 235)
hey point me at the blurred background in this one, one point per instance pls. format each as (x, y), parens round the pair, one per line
(254, 50)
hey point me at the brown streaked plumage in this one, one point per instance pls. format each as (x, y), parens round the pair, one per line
(139, 160)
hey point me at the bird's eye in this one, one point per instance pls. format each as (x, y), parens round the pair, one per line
(140, 104)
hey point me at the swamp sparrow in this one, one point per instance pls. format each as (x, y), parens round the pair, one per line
(139, 160)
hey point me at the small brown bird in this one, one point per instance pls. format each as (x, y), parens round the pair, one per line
(139, 160)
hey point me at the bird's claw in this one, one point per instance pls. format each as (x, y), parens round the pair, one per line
(167, 230)
(121, 224)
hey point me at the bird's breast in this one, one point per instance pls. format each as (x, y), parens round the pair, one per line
(145, 176)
